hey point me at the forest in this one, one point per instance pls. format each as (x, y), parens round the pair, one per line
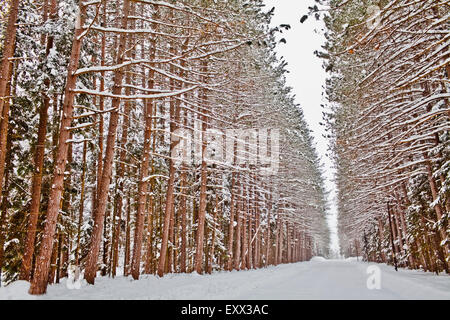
(388, 120)
(99, 98)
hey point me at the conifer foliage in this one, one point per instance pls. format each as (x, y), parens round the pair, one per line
(389, 121)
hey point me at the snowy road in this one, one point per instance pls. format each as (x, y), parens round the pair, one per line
(317, 279)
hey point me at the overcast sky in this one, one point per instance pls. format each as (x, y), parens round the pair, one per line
(307, 78)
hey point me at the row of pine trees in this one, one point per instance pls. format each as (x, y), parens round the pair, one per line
(93, 94)
(389, 117)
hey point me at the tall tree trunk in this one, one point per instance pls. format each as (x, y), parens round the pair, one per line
(391, 230)
(102, 194)
(250, 228)
(66, 209)
(203, 181)
(244, 249)
(213, 236)
(143, 180)
(105, 241)
(53, 259)
(126, 267)
(231, 225)
(183, 221)
(39, 282)
(170, 249)
(237, 246)
(36, 183)
(381, 232)
(101, 102)
(441, 232)
(268, 242)
(166, 253)
(142, 193)
(81, 209)
(280, 242)
(8, 52)
(288, 243)
(58, 254)
(258, 233)
(4, 203)
(277, 241)
(121, 168)
(398, 233)
(4, 122)
(149, 254)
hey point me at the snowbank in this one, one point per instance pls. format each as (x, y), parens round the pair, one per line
(353, 259)
(318, 258)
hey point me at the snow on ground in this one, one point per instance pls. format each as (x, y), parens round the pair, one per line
(315, 279)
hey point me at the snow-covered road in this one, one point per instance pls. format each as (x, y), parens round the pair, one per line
(316, 279)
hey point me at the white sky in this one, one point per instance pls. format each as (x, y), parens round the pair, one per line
(307, 78)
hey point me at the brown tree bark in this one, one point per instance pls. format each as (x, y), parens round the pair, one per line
(120, 189)
(213, 236)
(250, 215)
(391, 230)
(4, 202)
(381, 232)
(167, 217)
(277, 242)
(39, 282)
(231, 225)
(6, 72)
(437, 207)
(170, 249)
(53, 258)
(280, 242)
(268, 237)
(288, 243)
(183, 221)
(126, 267)
(106, 241)
(101, 103)
(4, 141)
(142, 193)
(66, 209)
(143, 180)
(81, 209)
(36, 183)
(174, 116)
(8, 52)
(168, 229)
(102, 194)
(398, 232)
(118, 201)
(59, 257)
(237, 246)
(258, 237)
(149, 254)
(244, 249)
(203, 181)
